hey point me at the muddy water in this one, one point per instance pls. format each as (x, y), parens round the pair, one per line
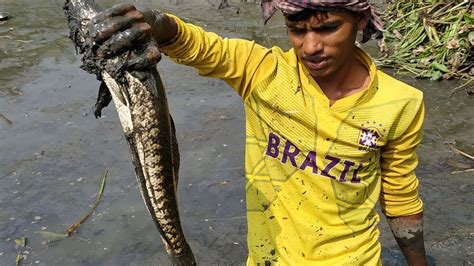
(53, 152)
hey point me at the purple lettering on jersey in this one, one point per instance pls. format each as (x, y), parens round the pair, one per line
(334, 162)
(347, 166)
(290, 154)
(355, 178)
(272, 147)
(291, 151)
(310, 161)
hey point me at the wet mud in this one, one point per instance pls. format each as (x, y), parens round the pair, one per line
(54, 153)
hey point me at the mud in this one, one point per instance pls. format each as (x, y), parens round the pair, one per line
(53, 151)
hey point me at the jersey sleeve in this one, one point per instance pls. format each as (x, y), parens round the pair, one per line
(240, 63)
(399, 193)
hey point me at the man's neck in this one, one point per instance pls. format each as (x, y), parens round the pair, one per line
(350, 79)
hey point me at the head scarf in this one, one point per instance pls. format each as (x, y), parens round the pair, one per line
(289, 7)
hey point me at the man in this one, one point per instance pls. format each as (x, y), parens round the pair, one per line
(327, 133)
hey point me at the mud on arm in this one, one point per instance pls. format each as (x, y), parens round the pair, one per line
(408, 232)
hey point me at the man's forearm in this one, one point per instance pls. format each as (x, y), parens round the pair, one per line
(408, 232)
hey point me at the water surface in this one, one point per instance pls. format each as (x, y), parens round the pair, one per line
(53, 152)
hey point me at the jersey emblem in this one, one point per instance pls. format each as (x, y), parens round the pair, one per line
(368, 138)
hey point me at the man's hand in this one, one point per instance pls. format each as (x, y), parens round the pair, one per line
(123, 28)
(408, 231)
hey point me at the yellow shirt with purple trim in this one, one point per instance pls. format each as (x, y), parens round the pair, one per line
(314, 171)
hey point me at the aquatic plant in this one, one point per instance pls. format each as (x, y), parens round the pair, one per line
(429, 39)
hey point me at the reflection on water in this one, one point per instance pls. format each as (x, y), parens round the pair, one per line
(36, 30)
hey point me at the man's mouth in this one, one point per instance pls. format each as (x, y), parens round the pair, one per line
(316, 64)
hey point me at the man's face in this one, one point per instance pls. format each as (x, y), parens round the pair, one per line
(325, 42)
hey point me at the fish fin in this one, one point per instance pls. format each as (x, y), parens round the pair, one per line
(175, 147)
(103, 99)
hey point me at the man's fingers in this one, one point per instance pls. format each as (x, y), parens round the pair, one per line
(123, 28)
(103, 30)
(149, 57)
(124, 40)
(116, 10)
(104, 24)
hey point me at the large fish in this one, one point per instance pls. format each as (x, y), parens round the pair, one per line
(140, 101)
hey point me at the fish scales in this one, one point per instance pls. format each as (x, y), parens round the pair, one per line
(143, 111)
(148, 132)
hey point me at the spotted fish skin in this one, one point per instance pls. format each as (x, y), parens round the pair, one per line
(142, 107)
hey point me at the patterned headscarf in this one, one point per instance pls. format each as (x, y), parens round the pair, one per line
(289, 7)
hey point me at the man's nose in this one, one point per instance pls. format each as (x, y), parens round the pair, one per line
(312, 44)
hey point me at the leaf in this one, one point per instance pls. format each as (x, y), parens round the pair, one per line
(73, 228)
(471, 37)
(52, 236)
(20, 242)
(435, 75)
(437, 66)
(468, 18)
(19, 258)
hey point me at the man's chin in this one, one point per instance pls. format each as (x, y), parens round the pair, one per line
(321, 74)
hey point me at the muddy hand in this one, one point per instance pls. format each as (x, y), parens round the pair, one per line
(123, 28)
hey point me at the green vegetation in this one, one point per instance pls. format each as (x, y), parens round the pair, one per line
(430, 39)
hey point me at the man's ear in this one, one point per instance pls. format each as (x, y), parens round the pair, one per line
(362, 23)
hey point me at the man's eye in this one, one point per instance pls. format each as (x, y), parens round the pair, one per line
(328, 29)
(297, 31)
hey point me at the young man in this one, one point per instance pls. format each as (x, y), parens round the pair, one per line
(328, 135)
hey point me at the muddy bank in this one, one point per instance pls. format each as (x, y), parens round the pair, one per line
(53, 153)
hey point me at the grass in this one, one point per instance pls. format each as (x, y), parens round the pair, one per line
(429, 39)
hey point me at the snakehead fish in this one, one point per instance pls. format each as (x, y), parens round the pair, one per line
(140, 100)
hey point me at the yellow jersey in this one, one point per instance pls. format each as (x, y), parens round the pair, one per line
(314, 171)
